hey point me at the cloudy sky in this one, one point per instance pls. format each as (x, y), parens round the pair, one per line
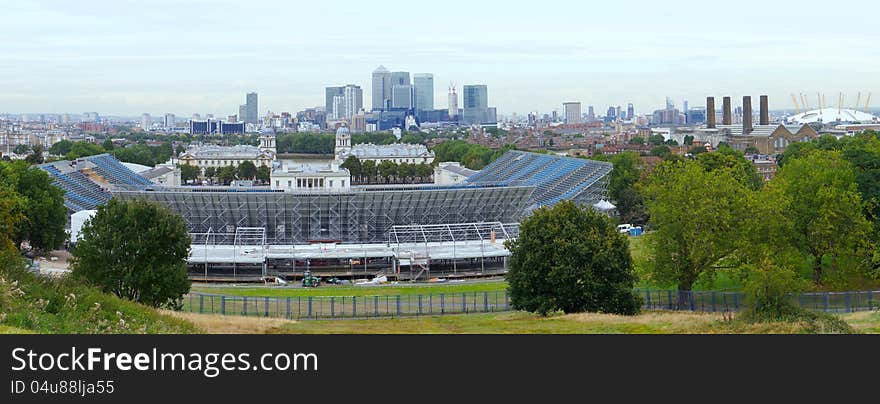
(126, 57)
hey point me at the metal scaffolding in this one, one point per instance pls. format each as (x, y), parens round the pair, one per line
(359, 216)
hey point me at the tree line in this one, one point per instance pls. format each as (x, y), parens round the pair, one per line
(226, 174)
(386, 172)
(139, 153)
(813, 226)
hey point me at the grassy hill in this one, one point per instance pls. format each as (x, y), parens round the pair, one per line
(30, 303)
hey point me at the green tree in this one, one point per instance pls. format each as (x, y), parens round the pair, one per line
(369, 170)
(404, 171)
(210, 172)
(227, 174)
(688, 140)
(823, 204)
(61, 148)
(136, 250)
(247, 170)
(108, 144)
(42, 205)
(571, 259)
(354, 166)
(698, 150)
(21, 149)
(637, 140)
(661, 151)
(388, 170)
(751, 150)
(656, 140)
(264, 173)
(697, 216)
(424, 171)
(36, 157)
(189, 173)
(727, 158)
(180, 150)
(83, 149)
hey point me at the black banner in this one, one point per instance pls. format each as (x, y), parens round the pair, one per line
(240, 369)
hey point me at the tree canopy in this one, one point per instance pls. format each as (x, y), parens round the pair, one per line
(571, 259)
(136, 250)
(41, 202)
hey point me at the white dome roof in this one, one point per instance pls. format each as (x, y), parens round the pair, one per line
(827, 115)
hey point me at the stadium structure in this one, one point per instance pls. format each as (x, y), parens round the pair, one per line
(402, 231)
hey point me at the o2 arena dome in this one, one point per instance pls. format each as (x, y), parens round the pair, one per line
(829, 115)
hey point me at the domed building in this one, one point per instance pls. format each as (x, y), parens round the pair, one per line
(830, 115)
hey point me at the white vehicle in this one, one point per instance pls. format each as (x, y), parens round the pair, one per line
(624, 228)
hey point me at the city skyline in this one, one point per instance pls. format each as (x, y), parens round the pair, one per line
(86, 57)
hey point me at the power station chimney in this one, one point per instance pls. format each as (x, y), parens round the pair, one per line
(765, 112)
(710, 112)
(725, 117)
(747, 115)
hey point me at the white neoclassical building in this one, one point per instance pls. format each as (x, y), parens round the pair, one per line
(221, 156)
(310, 177)
(396, 153)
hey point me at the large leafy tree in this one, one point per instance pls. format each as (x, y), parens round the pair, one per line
(36, 157)
(734, 161)
(61, 148)
(387, 169)
(136, 250)
(697, 216)
(83, 149)
(227, 174)
(189, 173)
(571, 259)
(354, 166)
(369, 170)
(247, 170)
(42, 204)
(264, 173)
(822, 202)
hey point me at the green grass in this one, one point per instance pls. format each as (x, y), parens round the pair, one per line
(344, 290)
(5, 329)
(30, 303)
(649, 322)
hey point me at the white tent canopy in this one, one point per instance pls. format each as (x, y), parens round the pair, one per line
(604, 205)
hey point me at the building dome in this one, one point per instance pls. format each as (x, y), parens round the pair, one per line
(342, 131)
(828, 115)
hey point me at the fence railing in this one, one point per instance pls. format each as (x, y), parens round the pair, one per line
(360, 307)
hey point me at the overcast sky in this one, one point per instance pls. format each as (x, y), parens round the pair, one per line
(126, 57)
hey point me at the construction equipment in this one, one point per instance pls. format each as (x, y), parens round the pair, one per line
(867, 103)
(310, 281)
(797, 108)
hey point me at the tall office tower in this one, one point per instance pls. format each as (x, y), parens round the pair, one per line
(423, 91)
(329, 94)
(630, 111)
(685, 106)
(354, 99)
(476, 104)
(453, 102)
(252, 108)
(572, 111)
(611, 114)
(337, 108)
(591, 113)
(381, 88)
(402, 96)
(400, 78)
(146, 122)
(242, 112)
(618, 112)
(169, 120)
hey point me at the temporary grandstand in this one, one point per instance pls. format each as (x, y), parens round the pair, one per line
(88, 181)
(408, 231)
(554, 178)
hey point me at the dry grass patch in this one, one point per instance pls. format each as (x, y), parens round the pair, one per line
(221, 324)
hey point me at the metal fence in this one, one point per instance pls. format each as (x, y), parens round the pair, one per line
(359, 307)
(341, 307)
